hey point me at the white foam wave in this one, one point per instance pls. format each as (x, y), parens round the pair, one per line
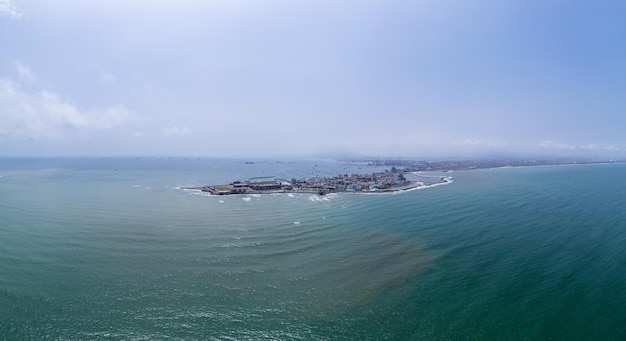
(246, 199)
(200, 193)
(318, 198)
(296, 223)
(221, 201)
(444, 181)
(419, 185)
(228, 246)
(289, 195)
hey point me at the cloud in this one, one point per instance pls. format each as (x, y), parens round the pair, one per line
(44, 114)
(481, 143)
(108, 77)
(589, 147)
(24, 73)
(8, 8)
(176, 131)
(556, 145)
(607, 148)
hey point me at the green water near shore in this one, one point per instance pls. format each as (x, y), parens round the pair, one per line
(90, 252)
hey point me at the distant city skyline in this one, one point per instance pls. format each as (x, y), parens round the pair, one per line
(312, 78)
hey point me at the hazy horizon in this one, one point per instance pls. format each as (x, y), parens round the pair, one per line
(241, 79)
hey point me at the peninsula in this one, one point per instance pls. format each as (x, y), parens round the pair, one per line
(379, 182)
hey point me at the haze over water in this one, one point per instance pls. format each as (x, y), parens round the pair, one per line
(113, 249)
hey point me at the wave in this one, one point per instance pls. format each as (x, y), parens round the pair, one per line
(318, 198)
(199, 193)
(444, 181)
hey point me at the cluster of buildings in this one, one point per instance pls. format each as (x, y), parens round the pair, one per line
(382, 181)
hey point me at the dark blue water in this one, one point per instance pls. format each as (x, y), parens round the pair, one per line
(94, 249)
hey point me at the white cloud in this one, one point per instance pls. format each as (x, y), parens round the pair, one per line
(556, 145)
(108, 118)
(24, 73)
(564, 146)
(44, 114)
(176, 131)
(481, 143)
(8, 8)
(108, 77)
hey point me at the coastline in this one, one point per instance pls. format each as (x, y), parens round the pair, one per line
(407, 186)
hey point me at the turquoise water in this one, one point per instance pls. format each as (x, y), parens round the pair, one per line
(113, 249)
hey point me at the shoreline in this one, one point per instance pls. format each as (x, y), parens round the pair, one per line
(411, 186)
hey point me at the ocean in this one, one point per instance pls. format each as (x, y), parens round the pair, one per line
(116, 249)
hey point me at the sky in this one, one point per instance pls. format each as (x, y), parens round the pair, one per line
(236, 78)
